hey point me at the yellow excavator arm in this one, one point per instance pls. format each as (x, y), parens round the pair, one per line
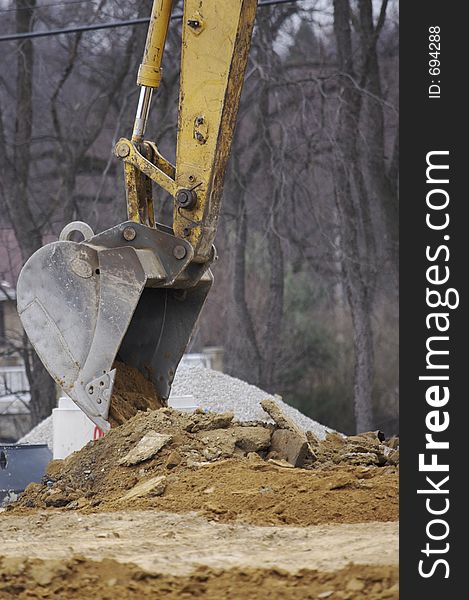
(216, 37)
(133, 293)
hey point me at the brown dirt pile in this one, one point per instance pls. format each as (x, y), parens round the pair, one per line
(80, 578)
(131, 393)
(180, 462)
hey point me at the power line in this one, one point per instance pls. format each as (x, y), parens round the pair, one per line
(41, 6)
(111, 25)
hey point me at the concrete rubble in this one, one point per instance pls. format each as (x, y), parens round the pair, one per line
(147, 447)
(138, 460)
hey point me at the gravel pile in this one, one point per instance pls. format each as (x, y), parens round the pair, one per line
(41, 434)
(214, 391)
(219, 392)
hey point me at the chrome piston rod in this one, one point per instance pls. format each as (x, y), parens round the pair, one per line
(141, 117)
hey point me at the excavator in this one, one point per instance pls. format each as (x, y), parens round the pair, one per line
(134, 292)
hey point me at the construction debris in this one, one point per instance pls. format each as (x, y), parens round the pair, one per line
(147, 447)
(289, 442)
(276, 413)
(289, 446)
(257, 472)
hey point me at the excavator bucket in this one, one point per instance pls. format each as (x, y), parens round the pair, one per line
(130, 293)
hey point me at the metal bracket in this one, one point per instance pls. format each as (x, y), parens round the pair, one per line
(128, 152)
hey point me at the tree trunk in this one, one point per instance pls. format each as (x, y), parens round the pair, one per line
(353, 215)
(272, 342)
(382, 188)
(246, 348)
(28, 235)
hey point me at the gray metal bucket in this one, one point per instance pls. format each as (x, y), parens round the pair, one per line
(20, 465)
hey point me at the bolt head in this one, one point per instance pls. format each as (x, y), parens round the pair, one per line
(123, 150)
(179, 252)
(186, 198)
(129, 234)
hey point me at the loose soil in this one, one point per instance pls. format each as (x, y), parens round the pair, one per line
(211, 465)
(78, 578)
(131, 392)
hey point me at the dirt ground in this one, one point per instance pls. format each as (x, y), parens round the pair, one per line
(186, 555)
(177, 543)
(80, 578)
(196, 505)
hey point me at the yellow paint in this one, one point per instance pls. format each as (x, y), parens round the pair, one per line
(216, 37)
(212, 71)
(149, 72)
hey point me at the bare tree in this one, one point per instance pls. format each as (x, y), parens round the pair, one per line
(15, 194)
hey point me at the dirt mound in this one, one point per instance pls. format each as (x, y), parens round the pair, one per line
(174, 461)
(80, 578)
(131, 393)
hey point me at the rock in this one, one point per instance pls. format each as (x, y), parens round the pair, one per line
(376, 435)
(211, 453)
(173, 460)
(219, 442)
(215, 508)
(56, 498)
(252, 439)
(393, 458)
(253, 457)
(290, 446)
(12, 566)
(44, 572)
(335, 439)
(147, 447)
(355, 585)
(327, 594)
(152, 487)
(341, 482)
(361, 443)
(393, 442)
(285, 423)
(280, 463)
(385, 450)
(360, 458)
(208, 421)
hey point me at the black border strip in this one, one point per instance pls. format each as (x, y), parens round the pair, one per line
(432, 124)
